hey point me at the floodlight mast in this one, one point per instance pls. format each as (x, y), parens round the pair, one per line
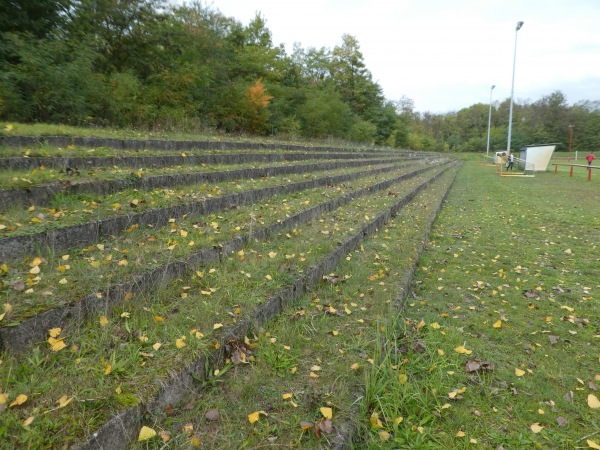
(570, 140)
(512, 89)
(489, 123)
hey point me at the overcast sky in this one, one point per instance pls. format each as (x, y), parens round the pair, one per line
(445, 54)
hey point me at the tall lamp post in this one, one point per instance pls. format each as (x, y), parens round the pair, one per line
(570, 140)
(512, 89)
(489, 123)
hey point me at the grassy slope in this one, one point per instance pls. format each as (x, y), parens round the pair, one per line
(510, 276)
(507, 282)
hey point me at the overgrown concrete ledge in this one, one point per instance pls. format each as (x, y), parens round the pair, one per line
(122, 429)
(17, 338)
(345, 432)
(89, 232)
(43, 194)
(170, 145)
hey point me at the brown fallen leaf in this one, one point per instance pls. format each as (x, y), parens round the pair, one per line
(472, 366)
(212, 415)
(561, 421)
(169, 410)
(17, 285)
(305, 425)
(325, 425)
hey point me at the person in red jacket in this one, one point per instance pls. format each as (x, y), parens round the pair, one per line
(590, 158)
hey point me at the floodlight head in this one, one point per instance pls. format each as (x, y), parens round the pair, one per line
(493, 86)
(519, 24)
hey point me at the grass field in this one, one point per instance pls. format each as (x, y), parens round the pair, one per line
(465, 319)
(505, 293)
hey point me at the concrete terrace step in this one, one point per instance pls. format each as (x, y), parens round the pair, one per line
(116, 425)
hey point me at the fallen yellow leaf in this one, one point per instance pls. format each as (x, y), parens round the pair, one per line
(375, 421)
(593, 401)
(28, 421)
(56, 344)
(384, 436)
(461, 349)
(327, 412)
(164, 435)
(536, 428)
(519, 372)
(255, 416)
(146, 433)
(592, 444)
(498, 324)
(54, 332)
(64, 401)
(103, 321)
(21, 398)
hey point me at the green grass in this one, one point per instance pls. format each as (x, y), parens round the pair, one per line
(46, 150)
(520, 254)
(496, 345)
(112, 362)
(319, 351)
(71, 209)
(67, 276)
(23, 179)
(22, 129)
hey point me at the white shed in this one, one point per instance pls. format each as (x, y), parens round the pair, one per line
(536, 157)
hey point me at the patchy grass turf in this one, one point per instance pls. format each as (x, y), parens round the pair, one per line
(311, 359)
(116, 361)
(67, 276)
(496, 346)
(40, 129)
(71, 209)
(503, 328)
(24, 179)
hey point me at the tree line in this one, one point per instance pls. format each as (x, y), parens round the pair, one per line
(149, 65)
